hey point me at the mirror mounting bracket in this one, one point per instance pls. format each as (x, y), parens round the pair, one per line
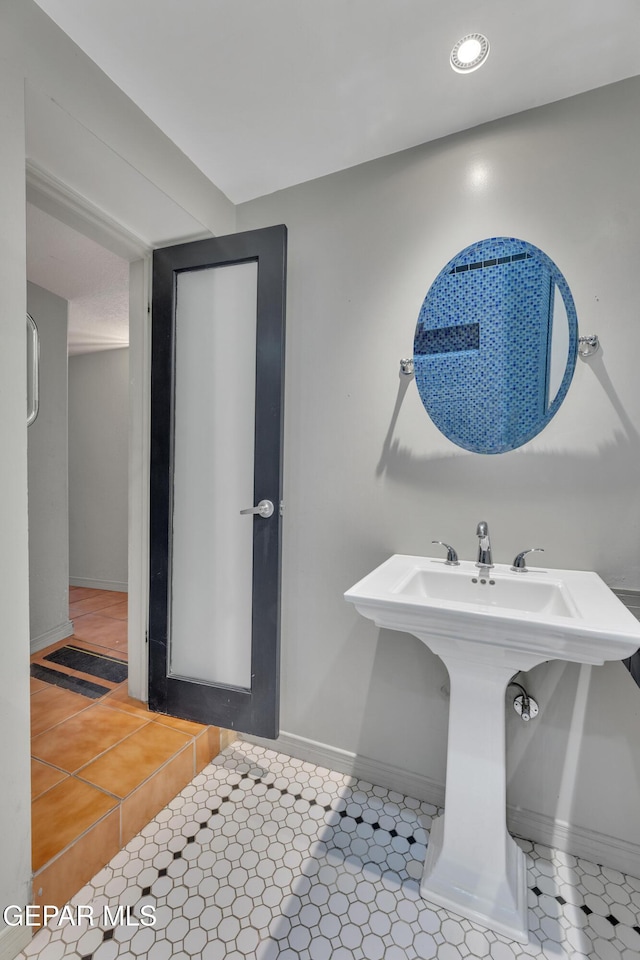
(587, 346)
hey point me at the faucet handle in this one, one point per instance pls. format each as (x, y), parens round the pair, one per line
(519, 565)
(452, 556)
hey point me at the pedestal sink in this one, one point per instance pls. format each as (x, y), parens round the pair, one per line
(486, 628)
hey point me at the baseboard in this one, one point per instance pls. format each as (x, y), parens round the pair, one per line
(352, 764)
(119, 585)
(589, 844)
(13, 940)
(597, 847)
(61, 632)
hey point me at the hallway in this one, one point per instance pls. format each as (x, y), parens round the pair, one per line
(102, 764)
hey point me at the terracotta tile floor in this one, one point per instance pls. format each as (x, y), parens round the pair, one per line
(101, 768)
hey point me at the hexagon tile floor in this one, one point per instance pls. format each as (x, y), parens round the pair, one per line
(263, 856)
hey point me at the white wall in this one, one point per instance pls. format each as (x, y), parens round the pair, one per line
(98, 469)
(368, 475)
(15, 868)
(48, 477)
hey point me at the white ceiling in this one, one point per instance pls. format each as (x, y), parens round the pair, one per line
(263, 94)
(93, 280)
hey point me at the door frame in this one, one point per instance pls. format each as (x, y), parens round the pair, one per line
(139, 470)
(60, 201)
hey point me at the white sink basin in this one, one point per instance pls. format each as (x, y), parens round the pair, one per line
(542, 614)
(487, 627)
(507, 593)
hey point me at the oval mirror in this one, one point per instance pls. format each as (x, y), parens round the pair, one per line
(495, 345)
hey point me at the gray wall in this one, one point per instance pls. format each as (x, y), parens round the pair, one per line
(48, 477)
(98, 479)
(368, 475)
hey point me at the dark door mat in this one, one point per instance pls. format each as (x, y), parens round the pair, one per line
(76, 684)
(95, 664)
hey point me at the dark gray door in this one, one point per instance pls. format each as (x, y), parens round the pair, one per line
(218, 321)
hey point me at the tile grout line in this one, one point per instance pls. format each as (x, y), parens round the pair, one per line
(204, 824)
(108, 933)
(128, 737)
(77, 713)
(585, 909)
(242, 781)
(119, 800)
(139, 787)
(145, 722)
(72, 843)
(75, 773)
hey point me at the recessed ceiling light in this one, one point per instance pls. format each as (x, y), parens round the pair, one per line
(469, 53)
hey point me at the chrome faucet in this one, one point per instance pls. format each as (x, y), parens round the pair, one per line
(485, 561)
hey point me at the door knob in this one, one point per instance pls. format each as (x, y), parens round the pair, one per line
(264, 509)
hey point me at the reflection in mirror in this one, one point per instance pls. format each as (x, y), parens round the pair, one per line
(33, 370)
(495, 345)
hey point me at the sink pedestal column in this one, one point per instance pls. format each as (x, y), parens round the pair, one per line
(473, 866)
